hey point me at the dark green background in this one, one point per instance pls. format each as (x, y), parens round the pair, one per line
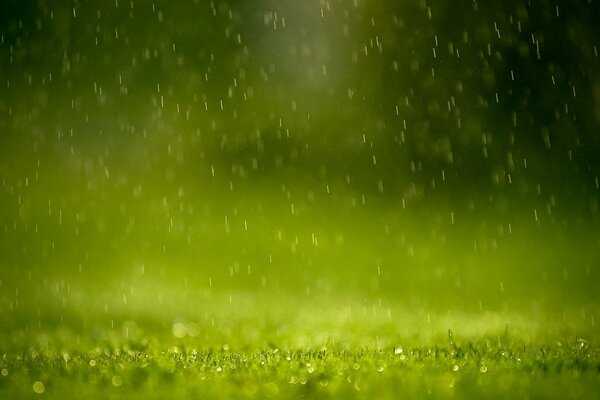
(273, 163)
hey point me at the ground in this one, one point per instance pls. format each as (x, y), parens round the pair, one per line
(431, 303)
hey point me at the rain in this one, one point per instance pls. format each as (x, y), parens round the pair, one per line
(263, 178)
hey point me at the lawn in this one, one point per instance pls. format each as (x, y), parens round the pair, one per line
(346, 352)
(480, 369)
(267, 304)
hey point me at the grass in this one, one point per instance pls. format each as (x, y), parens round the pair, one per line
(275, 347)
(484, 368)
(336, 300)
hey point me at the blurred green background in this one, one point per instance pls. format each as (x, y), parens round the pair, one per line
(248, 172)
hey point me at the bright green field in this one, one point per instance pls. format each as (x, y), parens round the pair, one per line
(263, 310)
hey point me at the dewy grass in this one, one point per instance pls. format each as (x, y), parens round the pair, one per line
(481, 368)
(280, 349)
(396, 312)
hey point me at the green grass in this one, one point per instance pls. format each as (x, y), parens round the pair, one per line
(484, 368)
(155, 298)
(277, 346)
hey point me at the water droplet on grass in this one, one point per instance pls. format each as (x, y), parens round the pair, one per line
(38, 387)
(117, 380)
